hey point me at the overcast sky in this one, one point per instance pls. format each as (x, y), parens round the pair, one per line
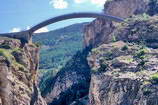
(17, 15)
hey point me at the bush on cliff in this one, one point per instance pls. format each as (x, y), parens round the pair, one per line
(154, 78)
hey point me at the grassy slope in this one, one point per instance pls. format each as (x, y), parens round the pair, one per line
(58, 47)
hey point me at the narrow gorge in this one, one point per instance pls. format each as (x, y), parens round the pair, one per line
(117, 66)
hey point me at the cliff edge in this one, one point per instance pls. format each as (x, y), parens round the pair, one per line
(125, 72)
(98, 32)
(18, 67)
(124, 59)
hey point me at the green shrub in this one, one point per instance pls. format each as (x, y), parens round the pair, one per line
(103, 65)
(6, 53)
(145, 16)
(125, 47)
(142, 63)
(94, 70)
(17, 50)
(10, 58)
(38, 44)
(154, 78)
(146, 91)
(113, 38)
(109, 55)
(140, 53)
(5, 46)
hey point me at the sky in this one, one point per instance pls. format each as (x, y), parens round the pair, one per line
(18, 15)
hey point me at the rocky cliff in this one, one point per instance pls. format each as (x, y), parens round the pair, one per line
(123, 63)
(125, 72)
(126, 77)
(124, 58)
(98, 32)
(18, 67)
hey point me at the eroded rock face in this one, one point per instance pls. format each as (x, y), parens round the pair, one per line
(18, 66)
(139, 29)
(125, 72)
(122, 75)
(124, 61)
(121, 91)
(126, 8)
(99, 31)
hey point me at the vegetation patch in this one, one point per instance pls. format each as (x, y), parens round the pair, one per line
(58, 46)
(141, 52)
(114, 38)
(94, 70)
(95, 51)
(135, 18)
(6, 53)
(38, 44)
(154, 78)
(103, 66)
(141, 55)
(5, 46)
(124, 48)
(147, 91)
(10, 58)
(109, 55)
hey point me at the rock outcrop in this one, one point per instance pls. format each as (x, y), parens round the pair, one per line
(125, 72)
(138, 29)
(18, 67)
(98, 32)
(124, 58)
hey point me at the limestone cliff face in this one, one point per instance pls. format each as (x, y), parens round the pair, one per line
(124, 59)
(125, 72)
(98, 32)
(18, 67)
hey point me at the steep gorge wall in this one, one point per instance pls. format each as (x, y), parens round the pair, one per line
(18, 67)
(124, 58)
(123, 75)
(98, 32)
